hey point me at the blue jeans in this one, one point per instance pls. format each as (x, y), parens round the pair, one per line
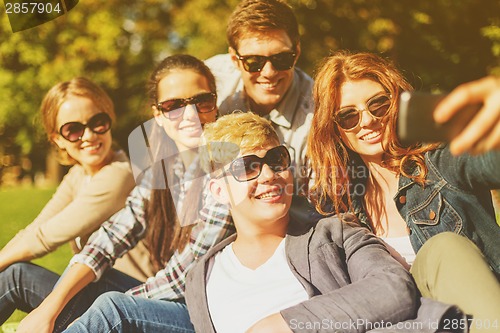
(24, 286)
(117, 312)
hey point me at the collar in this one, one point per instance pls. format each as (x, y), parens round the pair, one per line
(285, 111)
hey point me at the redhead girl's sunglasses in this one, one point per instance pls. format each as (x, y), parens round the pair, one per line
(73, 131)
(350, 117)
(174, 108)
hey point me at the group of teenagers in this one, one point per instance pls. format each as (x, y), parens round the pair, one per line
(253, 220)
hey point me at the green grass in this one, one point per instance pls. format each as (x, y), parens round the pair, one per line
(19, 207)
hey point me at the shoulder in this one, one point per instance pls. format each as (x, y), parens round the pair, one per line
(338, 229)
(303, 87)
(120, 161)
(222, 64)
(304, 80)
(115, 175)
(198, 273)
(119, 166)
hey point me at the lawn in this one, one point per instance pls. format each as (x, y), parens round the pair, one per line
(18, 207)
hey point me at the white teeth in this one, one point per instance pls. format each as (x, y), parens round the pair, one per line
(92, 147)
(370, 136)
(190, 129)
(269, 195)
(269, 85)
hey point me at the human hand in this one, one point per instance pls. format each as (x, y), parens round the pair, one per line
(483, 132)
(39, 320)
(271, 324)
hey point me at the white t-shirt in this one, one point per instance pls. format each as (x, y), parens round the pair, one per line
(238, 296)
(402, 247)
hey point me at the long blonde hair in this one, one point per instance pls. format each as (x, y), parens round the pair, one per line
(57, 95)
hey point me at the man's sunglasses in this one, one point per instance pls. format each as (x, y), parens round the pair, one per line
(254, 63)
(74, 131)
(350, 117)
(249, 167)
(174, 108)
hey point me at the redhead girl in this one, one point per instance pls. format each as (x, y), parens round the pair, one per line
(419, 199)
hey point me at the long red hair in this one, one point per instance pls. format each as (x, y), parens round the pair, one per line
(328, 155)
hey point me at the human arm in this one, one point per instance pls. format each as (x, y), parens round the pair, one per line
(76, 209)
(356, 279)
(483, 132)
(42, 318)
(117, 235)
(169, 283)
(466, 172)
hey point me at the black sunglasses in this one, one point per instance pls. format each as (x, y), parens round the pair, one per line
(254, 63)
(174, 108)
(249, 167)
(350, 117)
(73, 131)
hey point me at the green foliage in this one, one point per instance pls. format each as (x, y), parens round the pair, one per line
(113, 42)
(18, 212)
(19, 208)
(438, 45)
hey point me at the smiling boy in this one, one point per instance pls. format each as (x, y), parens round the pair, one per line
(276, 273)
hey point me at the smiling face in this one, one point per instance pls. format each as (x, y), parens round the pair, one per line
(185, 131)
(366, 138)
(93, 151)
(261, 202)
(267, 87)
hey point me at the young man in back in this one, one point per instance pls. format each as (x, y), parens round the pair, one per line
(259, 74)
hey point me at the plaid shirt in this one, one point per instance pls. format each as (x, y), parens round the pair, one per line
(124, 229)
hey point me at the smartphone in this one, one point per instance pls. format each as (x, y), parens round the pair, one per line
(416, 124)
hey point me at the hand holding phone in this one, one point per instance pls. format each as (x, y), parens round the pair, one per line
(483, 132)
(416, 123)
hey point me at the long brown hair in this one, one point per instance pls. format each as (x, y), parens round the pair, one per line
(329, 157)
(165, 234)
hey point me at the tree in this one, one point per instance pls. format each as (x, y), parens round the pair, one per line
(114, 43)
(437, 44)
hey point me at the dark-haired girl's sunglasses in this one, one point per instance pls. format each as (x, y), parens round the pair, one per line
(350, 117)
(174, 108)
(254, 63)
(73, 131)
(249, 167)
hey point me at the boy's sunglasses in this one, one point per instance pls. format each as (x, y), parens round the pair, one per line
(249, 167)
(254, 63)
(174, 108)
(73, 131)
(350, 117)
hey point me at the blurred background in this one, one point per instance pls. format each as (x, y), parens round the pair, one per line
(437, 44)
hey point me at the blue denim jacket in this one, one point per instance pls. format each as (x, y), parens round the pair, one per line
(456, 197)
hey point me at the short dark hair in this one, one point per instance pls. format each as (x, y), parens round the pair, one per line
(261, 16)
